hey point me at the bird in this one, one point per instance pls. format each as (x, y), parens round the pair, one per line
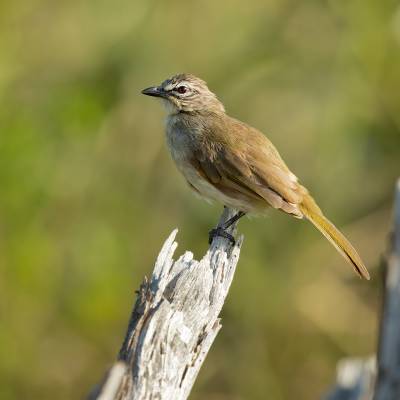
(229, 161)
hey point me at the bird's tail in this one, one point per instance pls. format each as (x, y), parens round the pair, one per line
(313, 213)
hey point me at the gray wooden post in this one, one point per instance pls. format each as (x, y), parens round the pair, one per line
(355, 379)
(366, 379)
(173, 324)
(388, 380)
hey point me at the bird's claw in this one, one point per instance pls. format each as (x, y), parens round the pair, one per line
(221, 233)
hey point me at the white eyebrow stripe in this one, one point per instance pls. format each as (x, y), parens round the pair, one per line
(183, 83)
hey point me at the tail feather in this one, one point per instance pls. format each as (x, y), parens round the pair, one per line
(313, 213)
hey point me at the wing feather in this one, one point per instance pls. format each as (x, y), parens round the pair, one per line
(244, 164)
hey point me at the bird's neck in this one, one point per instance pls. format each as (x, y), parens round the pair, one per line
(195, 118)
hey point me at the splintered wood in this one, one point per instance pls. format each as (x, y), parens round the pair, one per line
(173, 324)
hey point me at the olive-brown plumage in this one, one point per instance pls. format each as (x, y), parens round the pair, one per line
(226, 160)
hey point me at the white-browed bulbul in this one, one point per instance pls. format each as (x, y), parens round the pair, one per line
(226, 160)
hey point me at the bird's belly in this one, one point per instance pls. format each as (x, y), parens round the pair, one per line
(209, 192)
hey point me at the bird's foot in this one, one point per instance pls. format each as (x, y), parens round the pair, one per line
(221, 233)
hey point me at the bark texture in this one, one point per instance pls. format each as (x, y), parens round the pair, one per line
(388, 380)
(173, 324)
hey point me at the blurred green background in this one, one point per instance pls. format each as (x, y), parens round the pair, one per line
(89, 193)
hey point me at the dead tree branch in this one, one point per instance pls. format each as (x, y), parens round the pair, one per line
(388, 380)
(173, 324)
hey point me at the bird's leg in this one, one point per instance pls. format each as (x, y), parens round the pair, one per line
(221, 230)
(232, 220)
(221, 233)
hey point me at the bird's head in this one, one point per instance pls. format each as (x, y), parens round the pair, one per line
(185, 93)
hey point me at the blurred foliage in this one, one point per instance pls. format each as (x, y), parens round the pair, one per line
(89, 193)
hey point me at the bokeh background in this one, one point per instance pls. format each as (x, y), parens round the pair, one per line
(89, 193)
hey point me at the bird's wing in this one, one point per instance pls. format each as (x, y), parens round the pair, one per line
(245, 163)
(231, 185)
(249, 165)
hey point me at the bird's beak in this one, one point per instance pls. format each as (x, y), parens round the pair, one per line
(155, 91)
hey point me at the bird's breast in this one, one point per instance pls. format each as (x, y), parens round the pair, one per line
(179, 141)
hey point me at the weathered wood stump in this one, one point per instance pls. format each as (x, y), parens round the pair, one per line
(173, 324)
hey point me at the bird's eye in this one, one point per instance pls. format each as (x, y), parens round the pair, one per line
(181, 89)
